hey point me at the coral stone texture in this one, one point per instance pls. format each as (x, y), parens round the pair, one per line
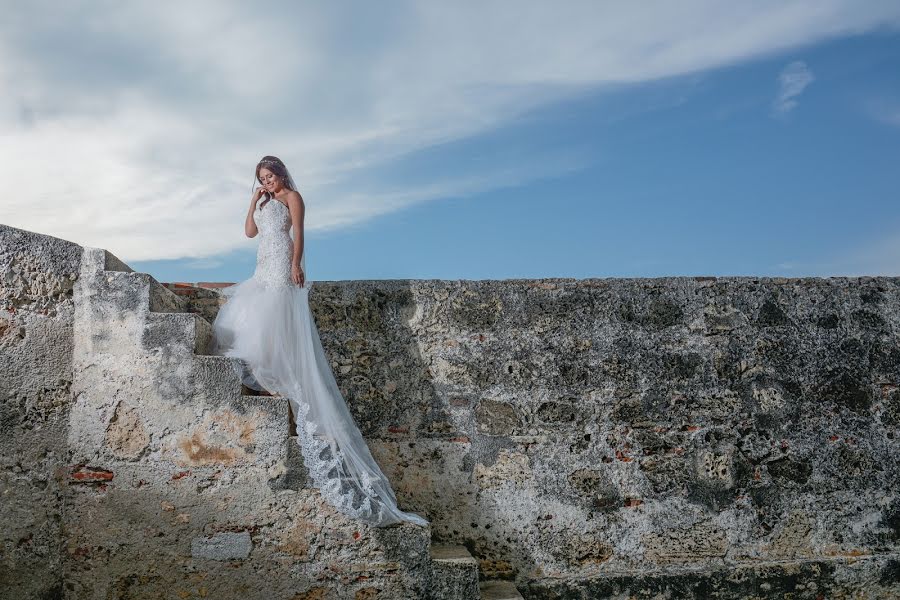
(676, 437)
(37, 277)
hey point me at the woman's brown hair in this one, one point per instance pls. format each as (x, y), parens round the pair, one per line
(274, 164)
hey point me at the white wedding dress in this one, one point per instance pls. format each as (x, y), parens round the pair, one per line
(266, 321)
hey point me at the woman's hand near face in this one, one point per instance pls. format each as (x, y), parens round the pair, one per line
(258, 193)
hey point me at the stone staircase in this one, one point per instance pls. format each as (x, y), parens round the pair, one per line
(455, 575)
(159, 422)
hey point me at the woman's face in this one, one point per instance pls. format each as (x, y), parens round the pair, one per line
(269, 179)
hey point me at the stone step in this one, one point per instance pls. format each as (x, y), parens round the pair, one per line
(295, 476)
(214, 376)
(107, 261)
(246, 433)
(162, 299)
(133, 291)
(178, 332)
(240, 432)
(130, 310)
(201, 298)
(295, 456)
(454, 573)
(498, 589)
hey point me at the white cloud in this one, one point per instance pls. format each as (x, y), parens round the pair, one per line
(884, 110)
(204, 263)
(892, 117)
(792, 80)
(135, 126)
(877, 257)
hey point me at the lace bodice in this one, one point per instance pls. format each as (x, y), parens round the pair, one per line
(276, 248)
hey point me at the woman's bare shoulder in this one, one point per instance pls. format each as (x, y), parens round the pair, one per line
(293, 197)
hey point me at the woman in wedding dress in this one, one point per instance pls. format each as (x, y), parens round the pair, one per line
(266, 321)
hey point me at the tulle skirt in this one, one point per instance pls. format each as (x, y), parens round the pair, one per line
(271, 328)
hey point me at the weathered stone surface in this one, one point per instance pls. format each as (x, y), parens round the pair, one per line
(669, 437)
(764, 408)
(126, 435)
(509, 468)
(870, 577)
(222, 546)
(133, 461)
(37, 274)
(496, 418)
(697, 543)
(454, 572)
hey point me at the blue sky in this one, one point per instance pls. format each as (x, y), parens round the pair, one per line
(625, 142)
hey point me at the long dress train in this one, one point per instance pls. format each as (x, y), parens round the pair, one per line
(266, 321)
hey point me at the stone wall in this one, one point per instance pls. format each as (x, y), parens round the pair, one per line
(649, 438)
(36, 306)
(203, 298)
(606, 436)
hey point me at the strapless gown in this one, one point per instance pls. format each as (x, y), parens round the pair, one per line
(266, 322)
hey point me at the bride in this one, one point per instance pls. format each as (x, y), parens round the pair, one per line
(266, 321)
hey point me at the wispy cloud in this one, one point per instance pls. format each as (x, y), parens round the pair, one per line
(135, 126)
(884, 110)
(892, 117)
(880, 256)
(792, 80)
(204, 263)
